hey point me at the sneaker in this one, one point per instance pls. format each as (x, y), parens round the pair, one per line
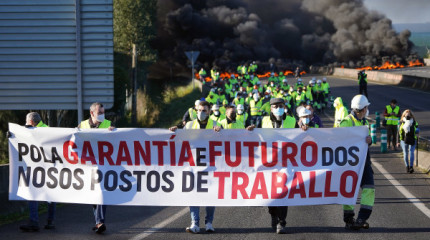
(31, 226)
(193, 228)
(408, 169)
(209, 227)
(50, 225)
(360, 223)
(349, 223)
(411, 170)
(281, 229)
(99, 228)
(274, 221)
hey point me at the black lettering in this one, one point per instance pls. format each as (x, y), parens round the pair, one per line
(65, 174)
(44, 156)
(79, 179)
(128, 185)
(96, 180)
(201, 181)
(149, 181)
(200, 156)
(21, 174)
(52, 177)
(114, 180)
(187, 175)
(169, 182)
(325, 161)
(341, 160)
(139, 175)
(56, 156)
(22, 150)
(351, 151)
(34, 149)
(39, 171)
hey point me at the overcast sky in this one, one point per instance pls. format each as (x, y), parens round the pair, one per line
(402, 11)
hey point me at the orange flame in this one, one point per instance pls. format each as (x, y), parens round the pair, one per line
(415, 63)
(302, 73)
(288, 72)
(208, 79)
(342, 66)
(267, 74)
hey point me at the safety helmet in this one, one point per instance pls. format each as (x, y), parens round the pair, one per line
(319, 81)
(359, 102)
(299, 80)
(258, 82)
(303, 112)
(255, 95)
(215, 107)
(314, 78)
(324, 79)
(284, 80)
(240, 107)
(197, 102)
(312, 81)
(213, 89)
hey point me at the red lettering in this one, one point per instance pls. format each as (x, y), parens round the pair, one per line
(105, 154)
(123, 154)
(289, 156)
(186, 155)
(212, 152)
(259, 181)
(172, 154)
(297, 186)
(139, 152)
(312, 179)
(236, 187)
(222, 176)
(327, 190)
(343, 183)
(251, 149)
(279, 180)
(314, 149)
(274, 154)
(160, 145)
(228, 154)
(88, 154)
(74, 155)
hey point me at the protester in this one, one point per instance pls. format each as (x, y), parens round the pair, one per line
(408, 132)
(392, 116)
(33, 119)
(97, 120)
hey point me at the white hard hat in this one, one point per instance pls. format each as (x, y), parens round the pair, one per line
(359, 102)
(324, 79)
(319, 81)
(240, 107)
(255, 95)
(303, 112)
(299, 80)
(285, 80)
(197, 102)
(314, 78)
(312, 81)
(215, 107)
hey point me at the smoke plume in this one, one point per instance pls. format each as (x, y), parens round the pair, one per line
(297, 32)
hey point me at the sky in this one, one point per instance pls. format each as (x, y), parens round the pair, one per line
(402, 11)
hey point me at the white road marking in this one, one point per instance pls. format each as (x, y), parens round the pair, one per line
(414, 200)
(161, 225)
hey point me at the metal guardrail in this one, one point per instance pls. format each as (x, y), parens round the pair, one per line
(424, 143)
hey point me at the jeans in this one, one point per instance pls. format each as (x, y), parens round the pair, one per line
(408, 150)
(391, 135)
(280, 213)
(99, 213)
(195, 215)
(34, 214)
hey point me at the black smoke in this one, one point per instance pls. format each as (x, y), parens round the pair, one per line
(301, 32)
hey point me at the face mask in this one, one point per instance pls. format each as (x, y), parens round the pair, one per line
(202, 116)
(256, 99)
(367, 113)
(271, 85)
(306, 121)
(216, 113)
(278, 112)
(101, 117)
(240, 112)
(408, 117)
(267, 96)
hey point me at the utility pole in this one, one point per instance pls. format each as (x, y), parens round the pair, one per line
(134, 87)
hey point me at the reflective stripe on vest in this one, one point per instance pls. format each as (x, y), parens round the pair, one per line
(392, 120)
(242, 118)
(196, 125)
(289, 122)
(255, 107)
(192, 113)
(86, 124)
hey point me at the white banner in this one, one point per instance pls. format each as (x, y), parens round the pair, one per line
(264, 167)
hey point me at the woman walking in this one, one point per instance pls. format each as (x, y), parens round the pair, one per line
(408, 138)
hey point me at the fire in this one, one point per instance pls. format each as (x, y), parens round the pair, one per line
(342, 66)
(415, 63)
(288, 72)
(208, 79)
(267, 74)
(302, 73)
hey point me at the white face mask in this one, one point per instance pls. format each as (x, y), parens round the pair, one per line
(256, 99)
(100, 118)
(202, 116)
(306, 121)
(239, 112)
(367, 113)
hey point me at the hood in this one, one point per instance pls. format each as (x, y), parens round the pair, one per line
(338, 101)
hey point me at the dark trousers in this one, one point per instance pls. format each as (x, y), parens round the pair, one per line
(391, 135)
(280, 213)
(363, 89)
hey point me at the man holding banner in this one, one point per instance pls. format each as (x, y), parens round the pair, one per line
(279, 118)
(97, 120)
(357, 117)
(33, 119)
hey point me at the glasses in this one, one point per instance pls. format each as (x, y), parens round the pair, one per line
(278, 106)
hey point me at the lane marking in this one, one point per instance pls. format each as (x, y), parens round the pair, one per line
(414, 200)
(161, 225)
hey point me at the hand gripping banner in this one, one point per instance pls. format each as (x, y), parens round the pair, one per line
(136, 166)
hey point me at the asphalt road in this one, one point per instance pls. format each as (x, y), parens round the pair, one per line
(412, 71)
(401, 209)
